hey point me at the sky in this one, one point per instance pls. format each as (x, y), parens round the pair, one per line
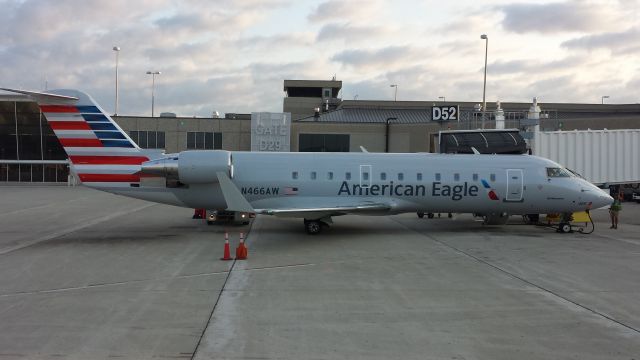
(233, 56)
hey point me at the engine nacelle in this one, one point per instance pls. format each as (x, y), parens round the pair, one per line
(201, 166)
(191, 167)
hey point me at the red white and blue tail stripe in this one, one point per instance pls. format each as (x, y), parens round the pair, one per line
(101, 153)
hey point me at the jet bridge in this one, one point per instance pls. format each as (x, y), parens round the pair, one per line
(486, 141)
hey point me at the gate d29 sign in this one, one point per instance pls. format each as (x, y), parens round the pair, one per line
(270, 131)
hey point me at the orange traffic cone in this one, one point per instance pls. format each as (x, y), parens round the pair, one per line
(241, 250)
(227, 252)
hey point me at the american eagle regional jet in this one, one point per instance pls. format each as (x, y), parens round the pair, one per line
(311, 186)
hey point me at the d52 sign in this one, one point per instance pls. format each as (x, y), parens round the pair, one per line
(445, 113)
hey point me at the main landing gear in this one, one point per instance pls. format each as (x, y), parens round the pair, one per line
(432, 215)
(314, 227)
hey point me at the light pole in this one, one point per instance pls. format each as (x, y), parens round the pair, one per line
(443, 98)
(604, 97)
(395, 94)
(153, 87)
(117, 51)
(484, 86)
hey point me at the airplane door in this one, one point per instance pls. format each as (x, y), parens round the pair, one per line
(514, 185)
(365, 175)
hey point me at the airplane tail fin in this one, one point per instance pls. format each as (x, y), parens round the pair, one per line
(101, 153)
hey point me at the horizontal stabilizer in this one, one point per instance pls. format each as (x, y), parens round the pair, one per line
(39, 96)
(234, 198)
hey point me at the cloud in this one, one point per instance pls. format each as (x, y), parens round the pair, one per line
(555, 17)
(355, 10)
(349, 32)
(232, 55)
(535, 66)
(272, 42)
(623, 42)
(377, 57)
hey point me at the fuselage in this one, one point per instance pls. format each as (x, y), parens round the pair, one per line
(515, 184)
(310, 185)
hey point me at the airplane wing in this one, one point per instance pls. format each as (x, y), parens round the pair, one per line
(324, 211)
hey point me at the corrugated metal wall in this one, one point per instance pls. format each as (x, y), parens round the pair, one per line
(601, 156)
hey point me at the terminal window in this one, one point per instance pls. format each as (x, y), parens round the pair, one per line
(323, 143)
(201, 140)
(148, 139)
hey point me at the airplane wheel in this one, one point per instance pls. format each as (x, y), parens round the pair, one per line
(564, 228)
(420, 214)
(312, 226)
(430, 215)
(450, 215)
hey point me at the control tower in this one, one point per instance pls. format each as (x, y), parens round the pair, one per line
(304, 97)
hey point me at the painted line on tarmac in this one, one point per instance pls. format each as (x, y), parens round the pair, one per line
(115, 283)
(539, 287)
(42, 206)
(247, 241)
(275, 267)
(630, 241)
(74, 229)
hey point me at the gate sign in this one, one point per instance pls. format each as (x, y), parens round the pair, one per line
(445, 113)
(270, 131)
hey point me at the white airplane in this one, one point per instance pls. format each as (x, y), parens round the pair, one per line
(311, 186)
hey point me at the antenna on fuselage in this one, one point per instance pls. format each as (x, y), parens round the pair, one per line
(475, 151)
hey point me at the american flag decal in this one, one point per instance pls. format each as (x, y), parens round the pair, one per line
(290, 191)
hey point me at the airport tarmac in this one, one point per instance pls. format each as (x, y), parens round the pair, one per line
(89, 275)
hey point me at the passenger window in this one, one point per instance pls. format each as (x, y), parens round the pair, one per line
(383, 176)
(400, 176)
(294, 175)
(456, 177)
(475, 177)
(437, 176)
(330, 175)
(347, 176)
(493, 177)
(419, 176)
(313, 175)
(365, 176)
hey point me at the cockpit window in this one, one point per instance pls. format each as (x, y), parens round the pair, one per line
(558, 172)
(576, 174)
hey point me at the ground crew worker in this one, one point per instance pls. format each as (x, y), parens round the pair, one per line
(614, 210)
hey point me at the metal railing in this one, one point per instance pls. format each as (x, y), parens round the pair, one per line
(34, 171)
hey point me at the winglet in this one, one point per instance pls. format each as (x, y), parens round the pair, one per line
(363, 149)
(233, 196)
(475, 151)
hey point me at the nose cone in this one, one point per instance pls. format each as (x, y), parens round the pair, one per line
(600, 199)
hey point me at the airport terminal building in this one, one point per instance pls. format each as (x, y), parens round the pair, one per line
(320, 121)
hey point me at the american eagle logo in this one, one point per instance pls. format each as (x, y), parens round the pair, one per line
(492, 194)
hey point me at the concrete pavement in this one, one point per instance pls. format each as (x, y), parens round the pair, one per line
(90, 275)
